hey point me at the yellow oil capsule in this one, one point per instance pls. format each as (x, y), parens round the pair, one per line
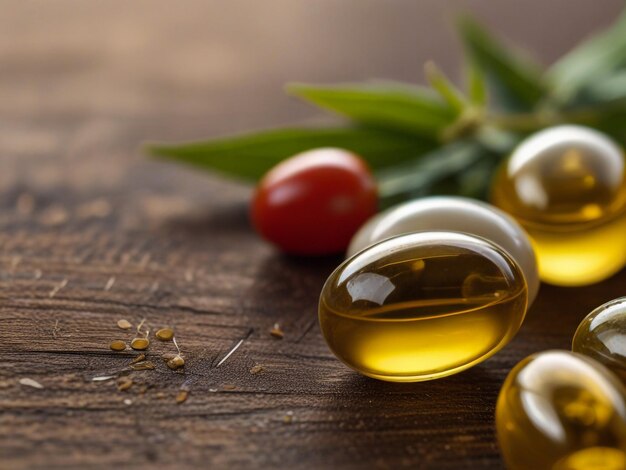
(602, 336)
(422, 306)
(560, 410)
(566, 185)
(454, 214)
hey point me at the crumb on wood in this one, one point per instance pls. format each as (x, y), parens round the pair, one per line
(277, 332)
(256, 369)
(139, 358)
(145, 365)
(181, 397)
(124, 383)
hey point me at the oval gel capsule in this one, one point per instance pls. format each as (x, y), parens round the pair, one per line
(422, 306)
(602, 336)
(455, 214)
(562, 411)
(566, 185)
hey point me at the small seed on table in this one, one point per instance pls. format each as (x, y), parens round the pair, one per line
(140, 343)
(124, 324)
(146, 365)
(256, 369)
(124, 383)
(182, 396)
(139, 358)
(118, 345)
(165, 334)
(276, 332)
(176, 362)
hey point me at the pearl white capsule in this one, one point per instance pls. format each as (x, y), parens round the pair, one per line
(455, 214)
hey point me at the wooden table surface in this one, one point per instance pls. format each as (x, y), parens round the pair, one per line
(91, 232)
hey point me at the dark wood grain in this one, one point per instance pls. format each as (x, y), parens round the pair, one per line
(92, 232)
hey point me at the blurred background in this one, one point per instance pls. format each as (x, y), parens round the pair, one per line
(223, 63)
(84, 84)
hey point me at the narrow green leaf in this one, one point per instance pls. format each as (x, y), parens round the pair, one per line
(608, 90)
(446, 89)
(594, 58)
(249, 156)
(384, 105)
(476, 85)
(416, 178)
(516, 81)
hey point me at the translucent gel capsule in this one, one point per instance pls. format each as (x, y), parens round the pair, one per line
(567, 187)
(455, 214)
(422, 306)
(602, 336)
(562, 411)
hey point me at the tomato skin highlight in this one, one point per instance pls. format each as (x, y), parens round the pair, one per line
(314, 202)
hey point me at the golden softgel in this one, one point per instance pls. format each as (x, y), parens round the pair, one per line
(562, 411)
(567, 187)
(422, 306)
(602, 336)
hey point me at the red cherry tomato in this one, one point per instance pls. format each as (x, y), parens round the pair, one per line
(313, 202)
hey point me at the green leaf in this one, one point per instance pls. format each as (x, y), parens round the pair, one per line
(385, 105)
(609, 90)
(516, 81)
(594, 58)
(446, 89)
(476, 85)
(250, 156)
(416, 178)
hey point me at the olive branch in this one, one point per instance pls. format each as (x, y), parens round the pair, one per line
(441, 139)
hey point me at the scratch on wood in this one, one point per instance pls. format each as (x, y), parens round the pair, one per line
(109, 283)
(57, 288)
(102, 378)
(55, 329)
(306, 331)
(30, 383)
(234, 348)
(37, 274)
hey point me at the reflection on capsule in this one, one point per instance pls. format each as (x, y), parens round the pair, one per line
(564, 411)
(422, 305)
(455, 214)
(602, 336)
(566, 185)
